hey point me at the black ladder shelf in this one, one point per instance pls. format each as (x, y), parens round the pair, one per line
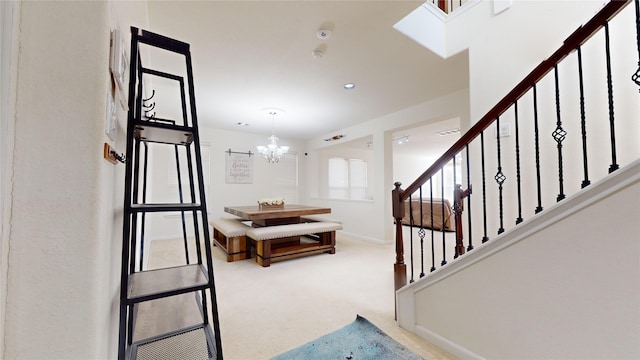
(164, 313)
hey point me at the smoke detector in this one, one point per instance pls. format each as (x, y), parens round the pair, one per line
(317, 53)
(323, 34)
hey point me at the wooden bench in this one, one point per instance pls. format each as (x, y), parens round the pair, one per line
(230, 236)
(282, 242)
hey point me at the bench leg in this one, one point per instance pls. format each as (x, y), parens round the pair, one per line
(236, 248)
(328, 238)
(263, 253)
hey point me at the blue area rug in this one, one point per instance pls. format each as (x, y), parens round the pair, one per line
(356, 341)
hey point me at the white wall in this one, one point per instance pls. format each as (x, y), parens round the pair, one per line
(64, 238)
(8, 12)
(510, 44)
(121, 15)
(407, 167)
(520, 52)
(563, 286)
(220, 194)
(376, 214)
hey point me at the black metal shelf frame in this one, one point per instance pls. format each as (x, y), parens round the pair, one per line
(138, 286)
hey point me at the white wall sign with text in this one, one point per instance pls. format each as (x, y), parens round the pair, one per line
(238, 169)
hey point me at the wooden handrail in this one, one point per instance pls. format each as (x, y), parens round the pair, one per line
(582, 34)
(399, 195)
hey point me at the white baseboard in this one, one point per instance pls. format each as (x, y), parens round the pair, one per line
(364, 238)
(445, 344)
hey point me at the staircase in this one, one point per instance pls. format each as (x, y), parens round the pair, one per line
(560, 285)
(549, 258)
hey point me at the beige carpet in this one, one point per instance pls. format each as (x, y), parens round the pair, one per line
(267, 311)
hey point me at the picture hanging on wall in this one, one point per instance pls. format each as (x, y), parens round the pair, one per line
(238, 167)
(118, 66)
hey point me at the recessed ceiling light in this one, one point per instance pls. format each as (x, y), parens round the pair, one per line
(349, 86)
(448, 132)
(401, 139)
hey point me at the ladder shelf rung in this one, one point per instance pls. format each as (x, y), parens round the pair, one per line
(157, 40)
(196, 342)
(163, 133)
(165, 207)
(154, 284)
(162, 316)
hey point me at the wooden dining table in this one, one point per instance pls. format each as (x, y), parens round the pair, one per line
(289, 214)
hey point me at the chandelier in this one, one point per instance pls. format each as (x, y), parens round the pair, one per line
(272, 152)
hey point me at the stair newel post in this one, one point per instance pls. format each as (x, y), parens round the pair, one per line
(458, 207)
(399, 268)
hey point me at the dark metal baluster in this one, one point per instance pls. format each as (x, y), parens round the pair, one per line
(537, 143)
(470, 247)
(421, 234)
(519, 219)
(411, 223)
(456, 210)
(583, 122)
(636, 76)
(499, 177)
(444, 246)
(614, 165)
(485, 238)
(559, 134)
(433, 250)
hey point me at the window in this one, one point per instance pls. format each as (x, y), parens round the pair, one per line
(347, 178)
(448, 181)
(285, 180)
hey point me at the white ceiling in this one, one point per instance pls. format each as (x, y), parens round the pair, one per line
(252, 55)
(423, 140)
